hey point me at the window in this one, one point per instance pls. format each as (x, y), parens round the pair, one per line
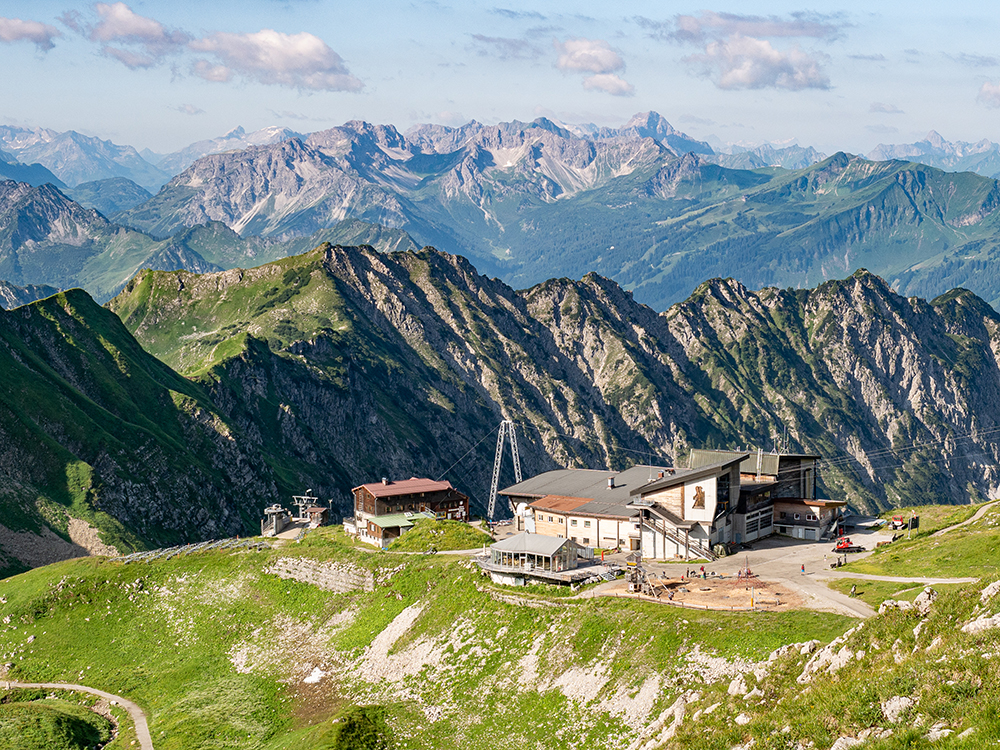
(574, 539)
(782, 514)
(811, 517)
(797, 516)
(572, 523)
(586, 524)
(550, 518)
(586, 540)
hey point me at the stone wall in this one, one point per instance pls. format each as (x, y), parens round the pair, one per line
(330, 576)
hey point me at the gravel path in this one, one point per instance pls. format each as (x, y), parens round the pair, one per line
(979, 514)
(138, 716)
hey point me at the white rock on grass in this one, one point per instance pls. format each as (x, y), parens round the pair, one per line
(924, 600)
(894, 708)
(989, 592)
(937, 732)
(738, 686)
(742, 720)
(982, 623)
(967, 733)
(845, 742)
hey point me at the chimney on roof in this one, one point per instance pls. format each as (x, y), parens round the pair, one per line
(659, 474)
(385, 481)
(611, 483)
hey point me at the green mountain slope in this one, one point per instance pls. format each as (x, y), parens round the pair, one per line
(96, 429)
(235, 652)
(404, 361)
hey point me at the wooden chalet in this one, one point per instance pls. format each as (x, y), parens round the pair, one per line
(384, 510)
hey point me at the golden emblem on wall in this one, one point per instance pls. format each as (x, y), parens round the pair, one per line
(699, 497)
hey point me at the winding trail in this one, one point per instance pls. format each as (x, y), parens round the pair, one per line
(138, 715)
(978, 514)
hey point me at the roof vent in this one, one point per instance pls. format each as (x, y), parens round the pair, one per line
(385, 480)
(671, 471)
(611, 483)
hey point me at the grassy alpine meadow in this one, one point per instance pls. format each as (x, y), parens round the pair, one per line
(969, 550)
(222, 654)
(441, 536)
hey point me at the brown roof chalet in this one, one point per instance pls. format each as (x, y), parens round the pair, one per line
(411, 486)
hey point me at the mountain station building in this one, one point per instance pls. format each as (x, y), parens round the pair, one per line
(721, 498)
(385, 510)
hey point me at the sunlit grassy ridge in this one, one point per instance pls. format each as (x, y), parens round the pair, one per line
(223, 654)
(216, 649)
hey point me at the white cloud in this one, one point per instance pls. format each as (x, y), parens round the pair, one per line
(741, 62)
(120, 25)
(989, 94)
(18, 30)
(888, 109)
(188, 109)
(708, 25)
(300, 61)
(587, 56)
(214, 73)
(609, 83)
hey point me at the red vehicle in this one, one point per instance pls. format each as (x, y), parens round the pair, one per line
(844, 546)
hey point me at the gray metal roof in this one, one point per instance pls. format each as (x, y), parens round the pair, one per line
(531, 544)
(683, 475)
(701, 457)
(586, 483)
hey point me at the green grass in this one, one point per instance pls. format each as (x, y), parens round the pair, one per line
(934, 517)
(966, 551)
(874, 593)
(43, 724)
(170, 635)
(441, 536)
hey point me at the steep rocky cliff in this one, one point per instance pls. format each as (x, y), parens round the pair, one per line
(375, 364)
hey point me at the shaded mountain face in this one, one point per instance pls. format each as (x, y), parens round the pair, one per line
(109, 196)
(95, 428)
(12, 295)
(76, 158)
(33, 174)
(398, 364)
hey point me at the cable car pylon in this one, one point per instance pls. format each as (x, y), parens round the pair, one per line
(506, 427)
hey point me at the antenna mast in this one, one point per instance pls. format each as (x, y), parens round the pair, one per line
(506, 427)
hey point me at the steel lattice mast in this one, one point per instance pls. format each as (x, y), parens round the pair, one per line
(506, 427)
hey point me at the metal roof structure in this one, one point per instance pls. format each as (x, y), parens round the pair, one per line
(411, 486)
(531, 544)
(403, 520)
(680, 476)
(589, 484)
(701, 457)
(582, 506)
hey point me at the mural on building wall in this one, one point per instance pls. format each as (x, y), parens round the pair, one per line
(700, 500)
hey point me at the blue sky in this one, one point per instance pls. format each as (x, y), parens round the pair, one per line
(161, 75)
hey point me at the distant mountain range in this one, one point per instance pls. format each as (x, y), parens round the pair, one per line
(982, 157)
(644, 204)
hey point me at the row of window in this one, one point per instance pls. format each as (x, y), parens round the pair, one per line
(798, 516)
